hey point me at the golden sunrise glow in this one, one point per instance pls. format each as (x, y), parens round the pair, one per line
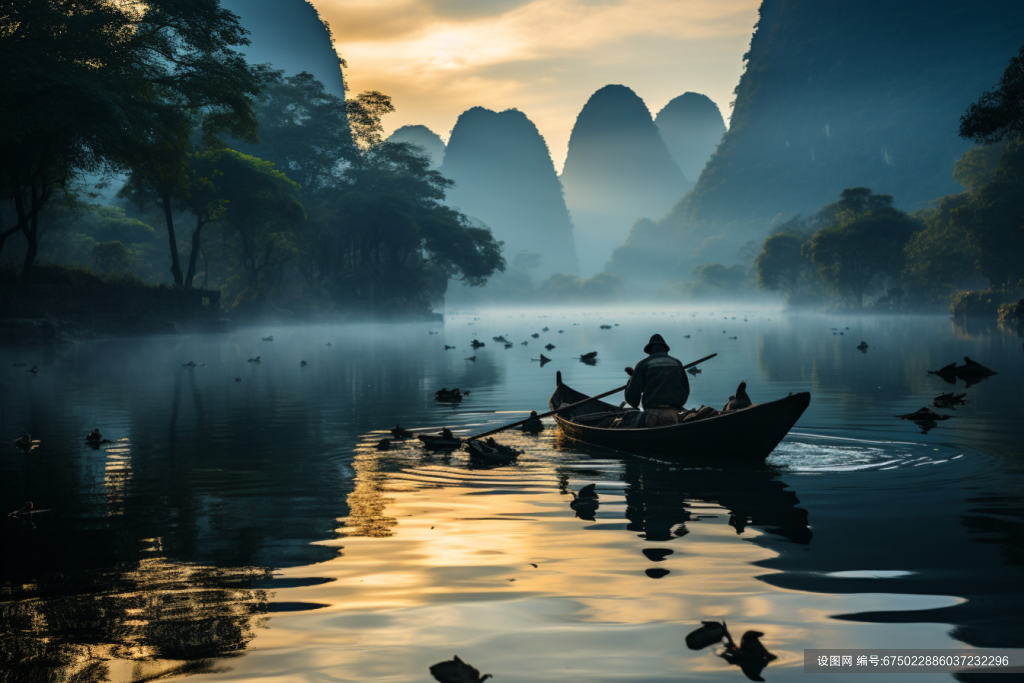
(437, 58)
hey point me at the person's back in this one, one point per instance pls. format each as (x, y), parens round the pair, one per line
(660, 383)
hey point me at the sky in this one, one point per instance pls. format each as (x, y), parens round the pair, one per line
(437, 58)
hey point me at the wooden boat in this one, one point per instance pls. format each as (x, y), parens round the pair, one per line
(439, 443)
(486, 452)
(750, 434)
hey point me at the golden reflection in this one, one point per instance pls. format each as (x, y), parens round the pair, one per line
(117, 475)
(161, 614)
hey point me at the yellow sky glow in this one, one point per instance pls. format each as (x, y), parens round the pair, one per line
(437, 58)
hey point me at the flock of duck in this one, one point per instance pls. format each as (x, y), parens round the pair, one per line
(971, 372)
(751, 656)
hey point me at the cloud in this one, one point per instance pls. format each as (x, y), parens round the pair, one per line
(437, 58)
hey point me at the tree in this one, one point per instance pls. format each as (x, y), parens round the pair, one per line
(862, 246)
(129, 72)
(256, 204)
(942, 258)
(993, 220)
(998, 115)
(781, 265)
(304, 131)
(112, 257)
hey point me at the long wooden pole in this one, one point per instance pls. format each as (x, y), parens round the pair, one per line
(578, 403)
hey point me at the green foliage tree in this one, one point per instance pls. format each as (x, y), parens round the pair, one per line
(257, 205)
(998, 115)
(304, 132)
(862, 244)
(112, 257)
(781, 265)
(940, 259)
(993, 220)
(131, 73)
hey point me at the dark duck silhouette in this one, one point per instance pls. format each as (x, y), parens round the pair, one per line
(400, 433)
(193, 364)
(476, 344)
(509, 345)
(972, 368)
(949, 400)
(445, 396)
(457, 671)
(549, 347)
(710, 633)
(95, 439)
(535, 335)
(270, 338)
(740, 400)
(586, 502)
(863, 346)
(384, 445)
(751, 656)
(694, 371)
(533, 425)
(946, 372)
(543, 359)
(254, 360)
(34, 369)
(303, 364)
(448, 348)
(925, 414)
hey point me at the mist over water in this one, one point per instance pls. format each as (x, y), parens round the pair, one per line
(310, 555)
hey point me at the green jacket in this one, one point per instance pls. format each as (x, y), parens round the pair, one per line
(660, 381)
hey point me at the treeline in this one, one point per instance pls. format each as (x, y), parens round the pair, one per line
(234, 176)
(965, 250)
(965, 241)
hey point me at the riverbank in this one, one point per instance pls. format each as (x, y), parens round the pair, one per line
(63, 305)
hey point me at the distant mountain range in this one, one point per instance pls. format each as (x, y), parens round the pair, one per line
(834, 95)
(691, 126)
(504, 177)
(617, 170)
(429, 141)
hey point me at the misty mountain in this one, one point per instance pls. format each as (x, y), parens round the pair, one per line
(833, 97)
(505, 177)
(290, 35)
(691, 126)
(837, 96)
(422, 136)
(617, 170)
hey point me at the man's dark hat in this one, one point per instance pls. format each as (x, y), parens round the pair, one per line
(656, 339)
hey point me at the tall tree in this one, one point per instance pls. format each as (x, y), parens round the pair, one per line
(993, 219)
(130, 73)
(998, 115)
(781, 265)
(257, 205)
(863, 244)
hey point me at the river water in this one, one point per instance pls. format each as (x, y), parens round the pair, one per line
(250, 530)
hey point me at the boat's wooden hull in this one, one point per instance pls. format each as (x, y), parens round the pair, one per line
(747, 435)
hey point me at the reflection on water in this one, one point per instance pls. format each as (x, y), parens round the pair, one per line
(258, 517)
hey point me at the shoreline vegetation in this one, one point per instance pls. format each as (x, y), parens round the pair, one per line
(243, 194)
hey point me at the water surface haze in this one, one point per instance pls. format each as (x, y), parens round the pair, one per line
(242, 524)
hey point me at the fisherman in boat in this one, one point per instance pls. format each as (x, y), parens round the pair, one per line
(660, 383)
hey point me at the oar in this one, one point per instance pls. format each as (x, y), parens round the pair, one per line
(574, 405)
